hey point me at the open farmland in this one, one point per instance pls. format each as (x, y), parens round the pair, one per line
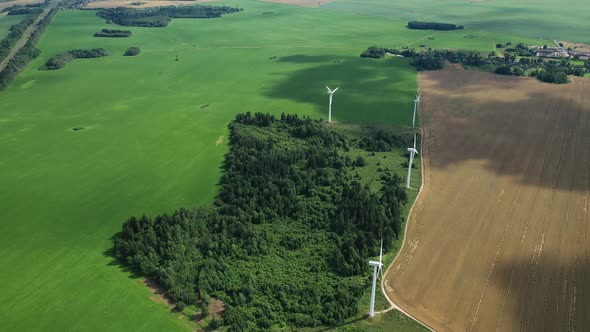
(150, 136)
(499, 238)
(536, 18)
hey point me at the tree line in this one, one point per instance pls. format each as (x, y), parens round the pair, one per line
(27, 9)
(113, 33)
(60, 60)
(433, 26)
(286, 242)
(161, 16)
(27, 53)
(510, 63)
(132, 51)
(15, 33)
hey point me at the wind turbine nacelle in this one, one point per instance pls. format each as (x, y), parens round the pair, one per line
(413, 150)
(375, 264)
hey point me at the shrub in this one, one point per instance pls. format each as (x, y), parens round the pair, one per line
(132, 51)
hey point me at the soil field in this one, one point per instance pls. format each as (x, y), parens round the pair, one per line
(498, 241)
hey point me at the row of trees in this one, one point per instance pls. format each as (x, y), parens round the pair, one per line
(433, 26)
(59, 61)
(161, 16)
(288, 238)
(15, 33)
(113, 33)
(510, 63)
(27, 52)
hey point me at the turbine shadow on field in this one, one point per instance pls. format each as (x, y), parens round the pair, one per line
(510, 124)
(370, 91)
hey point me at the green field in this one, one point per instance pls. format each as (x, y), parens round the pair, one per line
(149, 143)
(536, 18)
(7, 21)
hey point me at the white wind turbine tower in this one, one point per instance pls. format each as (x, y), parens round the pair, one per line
(416, 102)
(377, 267)
(331, 92)
(412, 151)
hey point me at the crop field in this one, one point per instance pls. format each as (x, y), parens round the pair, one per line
(499, 238)
(151, 135)
(536, 18)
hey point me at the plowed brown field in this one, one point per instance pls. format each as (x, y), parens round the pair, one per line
(498, 240)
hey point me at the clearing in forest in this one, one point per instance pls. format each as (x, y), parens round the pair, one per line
(499, 238)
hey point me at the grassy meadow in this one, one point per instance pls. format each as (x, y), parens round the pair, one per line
(154, 138)
(535, 18)
(6, 21)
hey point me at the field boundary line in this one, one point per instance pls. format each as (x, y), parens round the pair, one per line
(392, 304)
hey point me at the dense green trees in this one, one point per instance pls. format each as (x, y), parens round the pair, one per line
(428, 61)
(161, 16)
(132, 51)
(113, 33)
(288, 239)
(373, 52)
(433, 26)
(516, 61)
(382, 141)
(59, 61)
(15, 34)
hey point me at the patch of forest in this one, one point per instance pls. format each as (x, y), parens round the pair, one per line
(288, 239)
(59, 61)
(27, 53)
(161, 16)
(433, 26)
(509, 63)
(113, 33)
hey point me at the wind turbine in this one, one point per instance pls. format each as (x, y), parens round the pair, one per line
(331, 92)
(416, 102)
(412, 152)
(377, 267)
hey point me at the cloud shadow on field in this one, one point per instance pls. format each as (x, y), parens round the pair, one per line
(542, 294)
(370, 91)
(509, 123)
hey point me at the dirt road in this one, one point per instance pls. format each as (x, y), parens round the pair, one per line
(498, 240)
(27, 34)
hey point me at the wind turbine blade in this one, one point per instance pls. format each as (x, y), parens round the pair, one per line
(328, 89)
(336, 89)
(414, 141)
